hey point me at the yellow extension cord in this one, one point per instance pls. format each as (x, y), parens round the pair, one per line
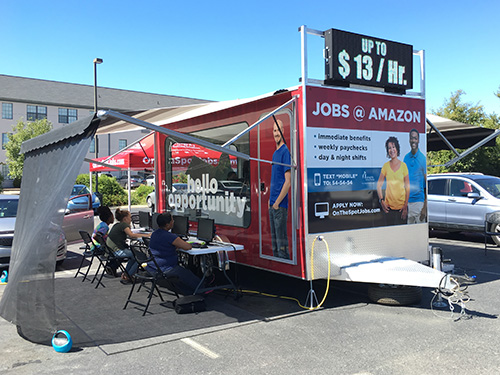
(312, 276)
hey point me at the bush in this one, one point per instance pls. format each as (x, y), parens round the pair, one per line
(83, 179)
(139, 195)
(112, 193)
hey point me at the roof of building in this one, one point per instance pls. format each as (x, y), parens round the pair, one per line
(39, 91)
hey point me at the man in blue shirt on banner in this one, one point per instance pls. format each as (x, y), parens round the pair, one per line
(278, 199)
(417, 166)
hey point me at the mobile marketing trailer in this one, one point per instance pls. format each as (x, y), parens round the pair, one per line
(348, 155)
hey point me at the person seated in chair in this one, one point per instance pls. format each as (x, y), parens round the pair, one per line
(117, 241)
(107, 219)
(163, 245)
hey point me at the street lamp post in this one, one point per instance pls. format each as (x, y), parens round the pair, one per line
(96, 139)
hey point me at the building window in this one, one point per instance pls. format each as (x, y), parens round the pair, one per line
(35, 112)
(67, 116)
(5, 171)
(7, 111)
(5, 139)
(92, 146)
(122, 143)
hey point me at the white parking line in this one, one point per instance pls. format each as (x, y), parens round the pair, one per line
(200, 348)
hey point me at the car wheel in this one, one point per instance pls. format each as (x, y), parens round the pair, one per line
(149, 202)
(496, 229)
(394, 295)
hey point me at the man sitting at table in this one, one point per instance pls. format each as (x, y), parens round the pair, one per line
(163, 245)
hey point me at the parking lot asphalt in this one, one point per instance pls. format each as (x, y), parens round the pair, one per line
(263, 334)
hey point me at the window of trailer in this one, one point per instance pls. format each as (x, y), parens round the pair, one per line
(214, 184)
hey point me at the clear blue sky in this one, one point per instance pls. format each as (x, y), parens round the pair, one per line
(221, 50)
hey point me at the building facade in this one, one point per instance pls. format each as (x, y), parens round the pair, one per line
(28, 99)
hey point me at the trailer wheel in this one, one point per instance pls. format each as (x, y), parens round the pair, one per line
(394, 295)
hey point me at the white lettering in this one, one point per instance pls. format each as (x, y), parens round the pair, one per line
(327, 111)
(400, 115)
(316, 111)
(333, 109)
(392, 71)
(201, 194)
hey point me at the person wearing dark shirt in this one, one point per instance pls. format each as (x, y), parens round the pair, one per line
(117, 241)
(278, 199)
(163, 245)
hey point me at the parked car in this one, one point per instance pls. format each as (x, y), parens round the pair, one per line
(80, 219)
(459, 201)
(150, 180)
(151, 200)
(135, 181)
(80, 199)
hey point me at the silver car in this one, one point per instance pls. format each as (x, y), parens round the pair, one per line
(459, 201)
(73, 222)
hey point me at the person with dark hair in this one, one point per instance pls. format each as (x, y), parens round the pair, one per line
(278, 196)
(163, 245)
(117, 241)
(395, 173)
(232, 176)
(107, 218)
(417, 168)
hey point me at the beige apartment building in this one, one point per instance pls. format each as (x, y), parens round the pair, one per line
(61, 103)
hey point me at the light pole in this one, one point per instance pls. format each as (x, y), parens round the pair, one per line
(96, 140)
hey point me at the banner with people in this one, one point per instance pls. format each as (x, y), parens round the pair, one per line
(365, 159)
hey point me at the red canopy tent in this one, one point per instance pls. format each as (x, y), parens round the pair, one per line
(140, 156)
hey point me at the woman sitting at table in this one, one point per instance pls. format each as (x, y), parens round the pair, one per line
(117, 241)
(163, 245)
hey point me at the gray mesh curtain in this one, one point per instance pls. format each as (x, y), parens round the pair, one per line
(52, 162)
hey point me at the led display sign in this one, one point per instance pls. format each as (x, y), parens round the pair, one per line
(368, 61)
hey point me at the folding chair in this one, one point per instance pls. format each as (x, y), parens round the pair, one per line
(142, 256)
(107, 259)
(87, 253)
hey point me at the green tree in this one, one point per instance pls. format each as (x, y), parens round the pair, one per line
(484, 159)
(22, 131)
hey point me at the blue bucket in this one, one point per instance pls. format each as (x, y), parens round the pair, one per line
(62, 342)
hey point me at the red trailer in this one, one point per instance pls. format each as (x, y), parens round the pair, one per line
(337, 138)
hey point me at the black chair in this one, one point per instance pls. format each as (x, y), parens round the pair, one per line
(135, 220)
(107, 259)
(87, 254)
(157, 278)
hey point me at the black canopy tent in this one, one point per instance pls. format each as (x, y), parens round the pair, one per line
(51, 165)
(458, 134)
